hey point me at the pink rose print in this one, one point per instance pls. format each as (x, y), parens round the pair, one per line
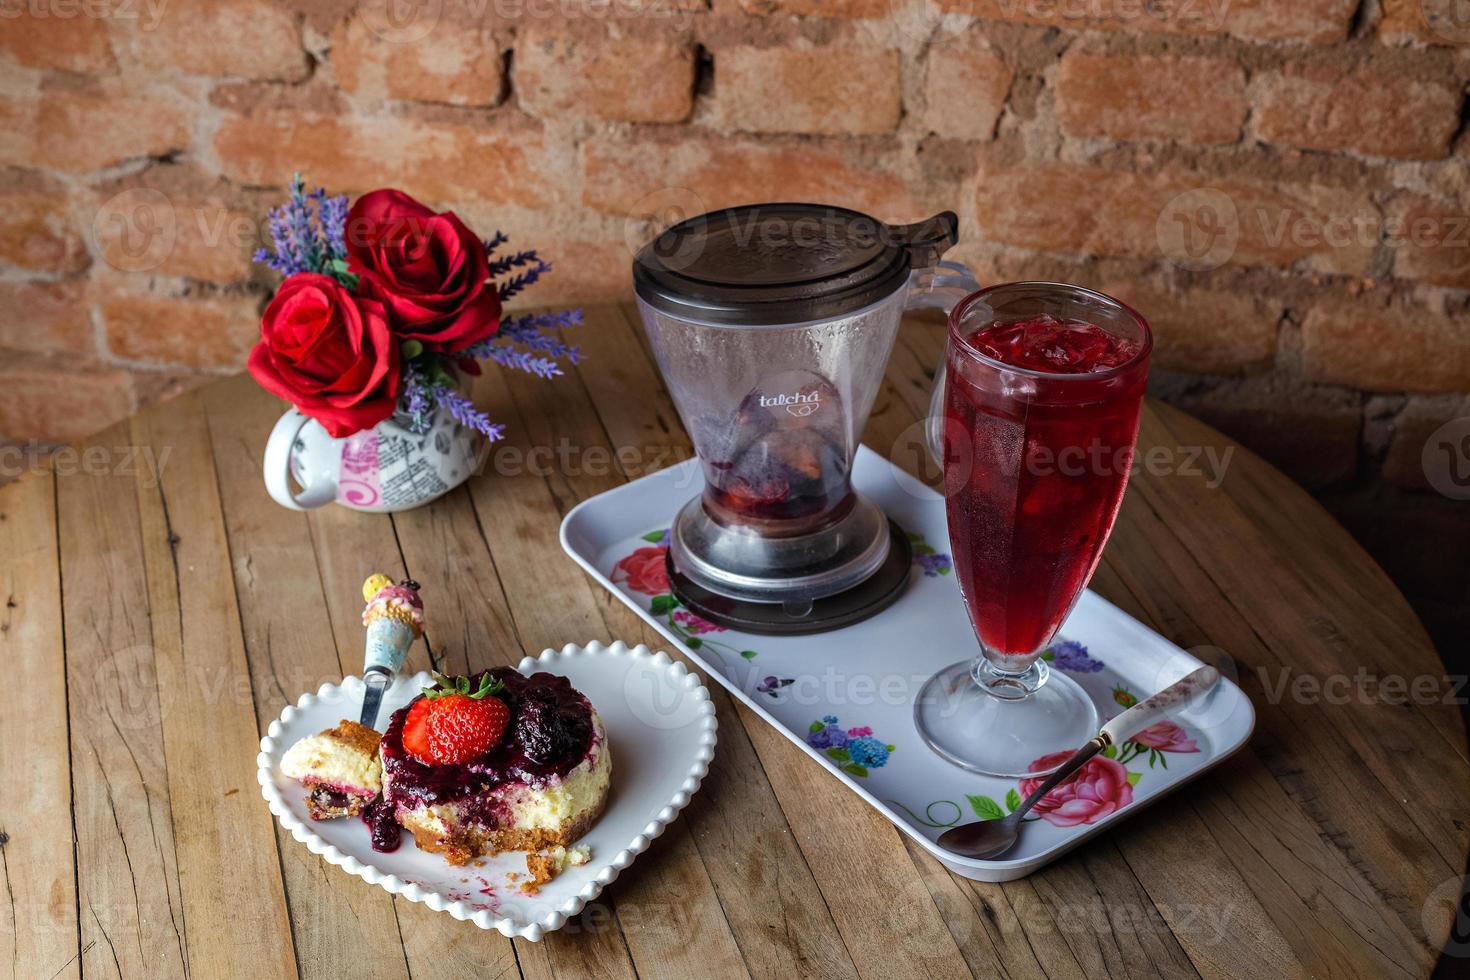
(1097, 789)
(1166, 737)
(643, 571)
(860, 731)
(696, 624)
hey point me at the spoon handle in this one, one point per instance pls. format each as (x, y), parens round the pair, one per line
(1177, 696)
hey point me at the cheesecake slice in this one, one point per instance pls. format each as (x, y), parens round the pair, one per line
(340, 769)
(539, 787)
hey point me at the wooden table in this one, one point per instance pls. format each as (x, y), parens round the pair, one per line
(157, 618)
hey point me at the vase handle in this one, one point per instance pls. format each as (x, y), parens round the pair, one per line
(323, 488)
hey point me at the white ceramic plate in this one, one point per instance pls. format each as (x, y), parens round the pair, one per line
(866, 676)
(660, 726)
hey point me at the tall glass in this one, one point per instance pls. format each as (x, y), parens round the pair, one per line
(1043, 389)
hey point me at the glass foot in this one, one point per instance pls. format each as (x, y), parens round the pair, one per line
(1001, 734)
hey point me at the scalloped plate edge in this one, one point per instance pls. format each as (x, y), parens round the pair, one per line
(603, 874)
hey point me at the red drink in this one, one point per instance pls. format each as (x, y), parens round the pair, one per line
(1046, 413)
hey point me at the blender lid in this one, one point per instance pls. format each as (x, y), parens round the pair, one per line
(768, 264)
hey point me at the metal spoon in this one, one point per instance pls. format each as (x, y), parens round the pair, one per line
(986, 839)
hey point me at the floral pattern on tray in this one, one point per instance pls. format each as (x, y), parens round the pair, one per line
(1101, 787)
(643, 572)
(854, 750)
(1107, 784)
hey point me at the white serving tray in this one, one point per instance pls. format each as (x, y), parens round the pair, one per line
(867, 675)
(661, 730)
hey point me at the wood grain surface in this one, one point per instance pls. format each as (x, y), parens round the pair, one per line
(159, 610)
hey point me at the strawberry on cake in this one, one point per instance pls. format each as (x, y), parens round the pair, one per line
(495, 762)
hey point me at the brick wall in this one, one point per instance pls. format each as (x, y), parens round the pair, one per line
(1282, 185)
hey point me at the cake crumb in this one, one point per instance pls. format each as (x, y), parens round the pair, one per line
(545, 865)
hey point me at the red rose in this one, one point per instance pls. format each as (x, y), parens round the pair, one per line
(427, 269)
(328, 353)
(1100, 787)
(643, 571)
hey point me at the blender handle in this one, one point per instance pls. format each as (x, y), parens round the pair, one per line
(939, 287)
(927, 240)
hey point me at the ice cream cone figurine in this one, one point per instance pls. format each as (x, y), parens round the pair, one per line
(394, 618)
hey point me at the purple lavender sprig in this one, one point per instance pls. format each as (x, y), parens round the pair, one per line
(307, 233)
(520, 281)
(466, 414)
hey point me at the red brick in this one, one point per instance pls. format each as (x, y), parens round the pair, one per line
(965, 91)
(659, 183)
(822, 8)
(176, 220)
(438, 162)
(1423, 21)
(1193, 100)
(47, 318)
(1203, 331)
(55, 402)
(243, 38)
(1352, 107)
(1404, 463)
(1316, 21)
(833, 89)
(179, 331)
(1082, 210)
(1431, 242)
(624, 74)
(82, 131)
(457, 64)
(77, 43)
(1379, 349)
(36, 230)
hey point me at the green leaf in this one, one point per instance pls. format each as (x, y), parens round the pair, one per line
(944, 571)
(1134, 777)
(749, 654)
(985, 808)
(693, 642)
(816, 727)
(661, 605)
(1111, 752)
(655, 537)
(1013, 800)
(840, 755)
(854, 769)
(923, 549)
(1048, 655)
(411, 349)
(915, 538)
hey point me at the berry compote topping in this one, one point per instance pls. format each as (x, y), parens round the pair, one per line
(1054, 346)
(549, 733)
(380, 819)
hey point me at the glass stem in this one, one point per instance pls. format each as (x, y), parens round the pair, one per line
(1008, 685)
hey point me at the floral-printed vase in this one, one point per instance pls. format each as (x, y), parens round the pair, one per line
(381, 470)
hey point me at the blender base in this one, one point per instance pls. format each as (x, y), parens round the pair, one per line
(870, 597)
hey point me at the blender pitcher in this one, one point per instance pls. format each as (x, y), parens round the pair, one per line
(772, 325)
